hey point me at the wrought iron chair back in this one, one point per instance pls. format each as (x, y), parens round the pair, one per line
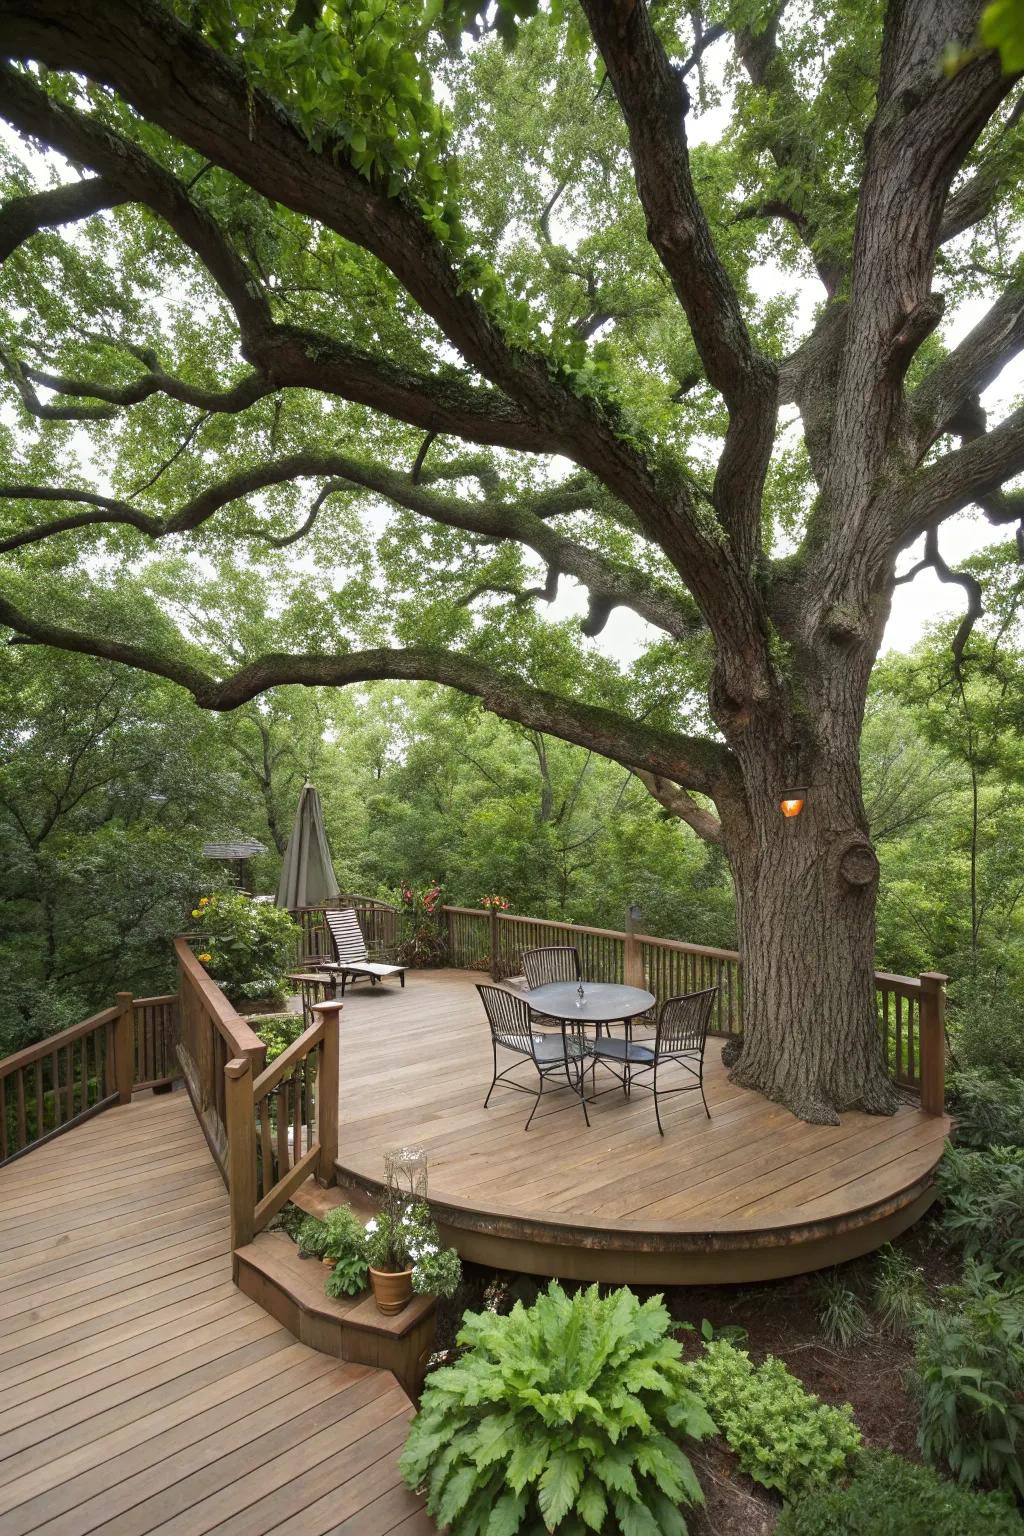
(510, 1022)
(683, 1022)
(555, 962)
(509, 1018)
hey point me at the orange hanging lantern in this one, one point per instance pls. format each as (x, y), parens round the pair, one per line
(791, 802)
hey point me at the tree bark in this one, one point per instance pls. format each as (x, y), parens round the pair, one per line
(806, 889)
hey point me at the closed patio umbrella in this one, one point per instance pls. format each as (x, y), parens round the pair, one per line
(307, 874)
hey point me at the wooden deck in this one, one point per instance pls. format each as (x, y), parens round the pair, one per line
(752, 1194)
(139, 1389)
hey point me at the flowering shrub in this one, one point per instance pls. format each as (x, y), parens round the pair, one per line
(494, 903)
(406, 1237)
(424, 944)
(246, 945)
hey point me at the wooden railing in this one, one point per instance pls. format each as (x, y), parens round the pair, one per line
(282, 1124)
(380, 922)
(911, 1009)
(69, 1077)
(211, 1035)
(156, 1038)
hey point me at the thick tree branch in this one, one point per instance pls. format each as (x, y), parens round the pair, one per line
(654, 103)
(285, 356)
(682, 804)
(988, 183)
(526, 523)
(975, 472)
(924, 126)
(22, 217)
(969, 369)
(199, 95)
(703, 764)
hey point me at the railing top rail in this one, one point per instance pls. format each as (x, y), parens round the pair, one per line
(707, 950)
(892, 983)
(467, 911)
(241, 1039)
(154, 1002)
(557, 922)
(52, 1043)
(288, 1059)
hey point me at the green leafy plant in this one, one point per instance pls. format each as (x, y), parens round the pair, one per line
(783, 1437)
(245, 945)
(424, 943)
(340, 1238)
(278, 1031)
(405, 1236)
(969, 1376)
(898, 1290)
(888, 1496)
(841, 1313)
(982, 1196)
(989, 1110)
(986, 1023)
(730, 1331)
(564, 1415)
(311, 1238)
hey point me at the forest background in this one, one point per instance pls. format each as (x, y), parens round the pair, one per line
(112, 780)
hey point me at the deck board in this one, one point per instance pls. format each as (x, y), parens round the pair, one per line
(716, 1199)
(139, 1389)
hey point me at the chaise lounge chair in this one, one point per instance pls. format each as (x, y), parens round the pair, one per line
(351, 958)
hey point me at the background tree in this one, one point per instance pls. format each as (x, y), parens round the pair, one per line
(293, 265)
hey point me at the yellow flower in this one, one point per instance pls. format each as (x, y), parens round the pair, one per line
(204, 958)
(204, 901)
(196, 912)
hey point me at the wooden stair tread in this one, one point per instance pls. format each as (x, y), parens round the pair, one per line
(318, 1201)
(275, 1256)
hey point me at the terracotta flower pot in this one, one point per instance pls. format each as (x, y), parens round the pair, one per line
(391, 1291)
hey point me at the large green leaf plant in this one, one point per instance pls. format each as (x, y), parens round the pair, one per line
(565, 1416)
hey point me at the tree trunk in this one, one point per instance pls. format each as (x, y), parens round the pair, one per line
(806, 889)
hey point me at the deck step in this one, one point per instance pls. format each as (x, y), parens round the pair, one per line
(291, 1289)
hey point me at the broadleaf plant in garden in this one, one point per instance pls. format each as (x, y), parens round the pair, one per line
(567, 1415)
(458, 300)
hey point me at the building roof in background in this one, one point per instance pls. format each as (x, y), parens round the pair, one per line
(241, 848)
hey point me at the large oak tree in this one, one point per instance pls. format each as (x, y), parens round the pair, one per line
(303, 259)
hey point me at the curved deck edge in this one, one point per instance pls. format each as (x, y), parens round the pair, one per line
(670, 1255)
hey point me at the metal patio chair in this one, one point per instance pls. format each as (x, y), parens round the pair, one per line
(511, 1031)
(556, 962)
(680, 1037)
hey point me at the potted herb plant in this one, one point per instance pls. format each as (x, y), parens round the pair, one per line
(404, 1253)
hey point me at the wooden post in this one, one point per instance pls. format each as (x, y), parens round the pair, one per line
(240, 1119)
(495, 966)
(633, 960)
(124, 1048)
(327, 1091)
(933, 1042)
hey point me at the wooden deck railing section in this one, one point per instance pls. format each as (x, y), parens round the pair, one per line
(381, 924)
(68, 1077)
(911, 1009)
(282, 1124)
(211, 1035)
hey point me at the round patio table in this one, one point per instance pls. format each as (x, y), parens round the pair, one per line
(603, 1002)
